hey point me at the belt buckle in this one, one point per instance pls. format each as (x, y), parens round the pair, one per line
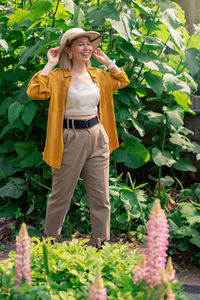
(86, 123)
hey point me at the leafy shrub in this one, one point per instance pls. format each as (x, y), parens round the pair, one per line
(72, 268)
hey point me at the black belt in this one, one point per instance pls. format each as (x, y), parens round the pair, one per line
(78, 124)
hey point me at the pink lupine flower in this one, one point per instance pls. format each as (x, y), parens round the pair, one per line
(97, 289)
(140, 270)
(170, 272)
(157, 241)
(169, 293)
(22, 260)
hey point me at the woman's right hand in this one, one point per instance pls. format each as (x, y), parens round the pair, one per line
(53, 56)
(53, 59)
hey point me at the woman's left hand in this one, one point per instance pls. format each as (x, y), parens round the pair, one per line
(101, 57)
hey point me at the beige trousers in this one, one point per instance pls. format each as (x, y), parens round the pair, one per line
(86, 151)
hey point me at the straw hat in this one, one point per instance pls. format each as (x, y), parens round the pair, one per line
(71, 34)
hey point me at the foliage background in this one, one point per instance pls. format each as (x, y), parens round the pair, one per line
(151, 42)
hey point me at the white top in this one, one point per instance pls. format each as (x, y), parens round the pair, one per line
(82, 99)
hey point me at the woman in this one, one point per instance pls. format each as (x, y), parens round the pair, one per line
(81, 130)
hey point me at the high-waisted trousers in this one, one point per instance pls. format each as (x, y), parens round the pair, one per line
(86, 153)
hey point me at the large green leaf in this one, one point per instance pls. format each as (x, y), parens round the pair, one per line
(24, 148)
(155, 82)
(194, 42)
(6, 167)
(185, 164)
(177, 37)
(169, 14)
(180, 140)
(186, 231)
(29, 113)
(162, 158)
(38, 10)
(13, 189)
(133, 155)
(32, 160)
(187, 209)
(175, 117)
(183, 100)
(154, 116)
(145, 10)
(173, 83)
(76, 11)
(122, 22)
(137, 126)
(149, 61)
(32, 52)
(192, 60)
(14, 111)
(18, 16)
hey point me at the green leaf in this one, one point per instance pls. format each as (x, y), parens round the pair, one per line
(196, 240)
(32, 52)
(32, 160)
(122, 22)
(167, 181)
(122, 218)
(13, 189)
(173, 227)
(184, 164)
(24, 148)
(149, 61)
(193, 220)
(187, 209)
(14, 111)
(169, 14)
(155, 82)
(134, 154)
(137, 126)
(175, 117)
(194, 42)
(144, 9)
(7, 146)
(162, 158)
(78, 18)
(38, 9)
(3, 45)
(186, 231)
(182, 142)
(183, 100)
(18, 16)
(5, 167)
(192, 60)
(29, 113)
(155, 117)
(178, 38)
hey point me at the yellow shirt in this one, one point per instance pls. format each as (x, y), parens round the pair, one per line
(55, 86)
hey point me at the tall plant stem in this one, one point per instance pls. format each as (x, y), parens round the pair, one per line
(181, 59)
(54, 15)
(39, 183)
(143, 43)
(138, 201)
(162, 149)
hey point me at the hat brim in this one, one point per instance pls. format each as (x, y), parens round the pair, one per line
(95, 39)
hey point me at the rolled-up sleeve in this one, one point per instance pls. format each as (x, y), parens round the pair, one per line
(39, 87)
(119, 80)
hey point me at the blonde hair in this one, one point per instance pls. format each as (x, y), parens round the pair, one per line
(65, 63)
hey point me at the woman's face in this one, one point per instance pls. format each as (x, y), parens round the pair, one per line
(81, 49)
